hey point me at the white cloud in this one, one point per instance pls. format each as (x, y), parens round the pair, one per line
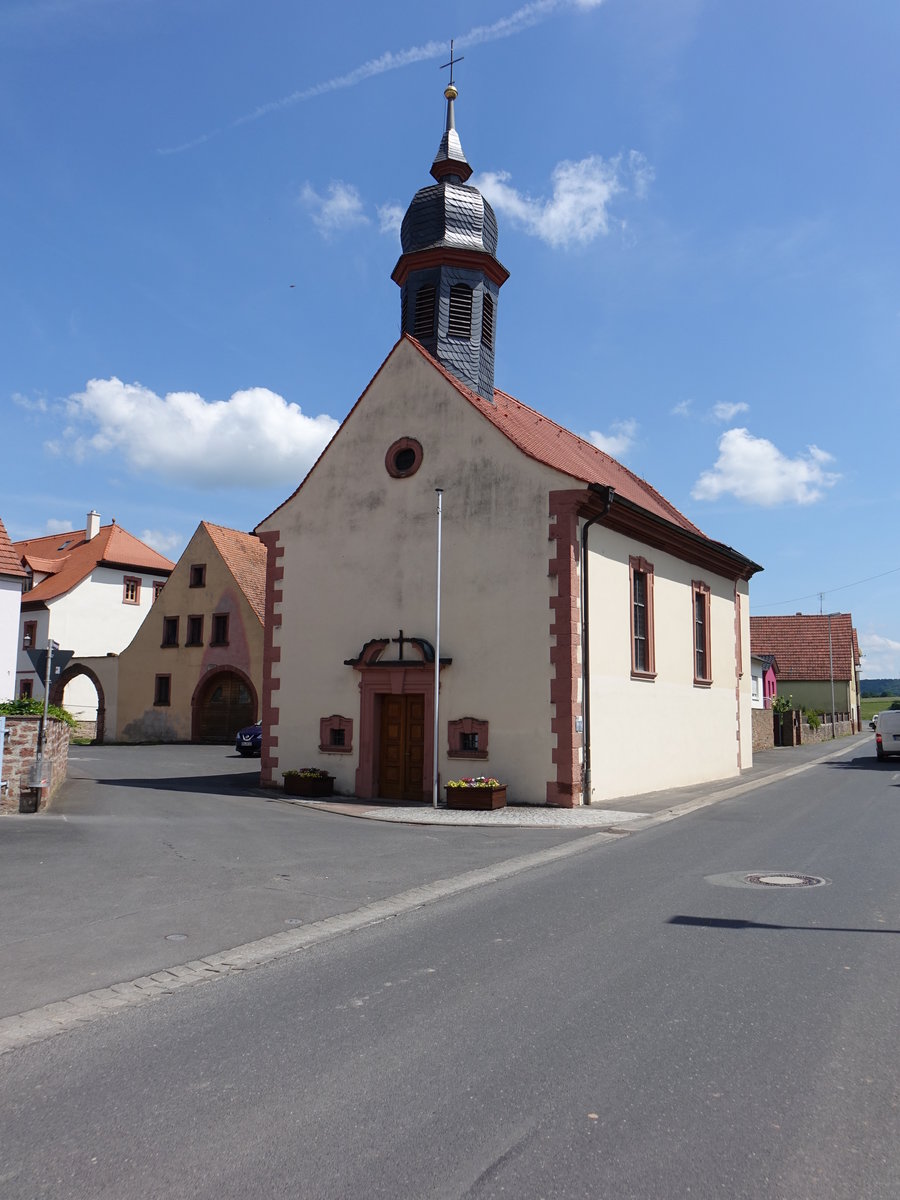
(165, 543)
(578, 211)
(37, 404)
(253, 439)
(881, 656)
(54, 525)
(341, 208)
(617, 443)
(390, 218)
(754, 470)
(723, 411)
(682, 409)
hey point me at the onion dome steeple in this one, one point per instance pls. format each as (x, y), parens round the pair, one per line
(448, 272)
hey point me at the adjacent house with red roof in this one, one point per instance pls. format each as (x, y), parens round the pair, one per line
(592, 642)
(193, 670)
(88, 590)
(12, 578)
(817, 656)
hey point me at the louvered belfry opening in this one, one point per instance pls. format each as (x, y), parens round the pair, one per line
(487, 319)
(460, 319)
(425, 306)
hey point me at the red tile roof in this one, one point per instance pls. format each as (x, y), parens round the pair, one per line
(71, 559)
(9, 559)
(245, 557)
(801, 645)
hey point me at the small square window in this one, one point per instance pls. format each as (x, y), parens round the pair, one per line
(194, 631)
(198, 575)
(467, 738)
(219, 630)
(336, 735)
(131, 590)
(162, 693)
(29, 635)
(170, 631)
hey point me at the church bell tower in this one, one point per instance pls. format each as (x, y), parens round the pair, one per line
(448, 272)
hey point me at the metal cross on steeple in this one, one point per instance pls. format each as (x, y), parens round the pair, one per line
(453, 61)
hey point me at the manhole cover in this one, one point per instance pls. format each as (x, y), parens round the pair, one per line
(772, 879)
(784, 879)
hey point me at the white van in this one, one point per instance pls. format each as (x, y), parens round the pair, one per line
(887, 733)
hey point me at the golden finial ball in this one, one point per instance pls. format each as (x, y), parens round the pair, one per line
(450, 91)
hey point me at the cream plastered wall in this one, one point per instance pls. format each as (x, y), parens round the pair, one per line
(10, 634)
(360, 563)
(137, 717)
(91, 619)
(649, 735)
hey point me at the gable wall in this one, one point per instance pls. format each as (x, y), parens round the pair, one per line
(137, 718)
(359, 562)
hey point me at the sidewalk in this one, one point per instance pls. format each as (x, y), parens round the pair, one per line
(624, 815)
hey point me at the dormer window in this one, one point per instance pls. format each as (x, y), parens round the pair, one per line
(460, 323)
(424, 319)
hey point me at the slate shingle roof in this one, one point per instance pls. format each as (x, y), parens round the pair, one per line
(10, 563)
(245, 557)
(67, 558)
(800, 644)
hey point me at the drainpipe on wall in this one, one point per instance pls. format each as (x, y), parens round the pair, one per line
(606, 494)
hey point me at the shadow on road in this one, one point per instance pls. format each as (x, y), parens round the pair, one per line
(736, 923)
(237, 782)
(867, 763)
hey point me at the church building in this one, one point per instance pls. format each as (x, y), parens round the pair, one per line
(591, 642)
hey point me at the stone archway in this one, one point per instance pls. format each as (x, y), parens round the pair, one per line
(223, 702)
(58, 688)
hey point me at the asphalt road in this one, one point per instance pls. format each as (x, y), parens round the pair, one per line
(635, 1021)
(151, 843)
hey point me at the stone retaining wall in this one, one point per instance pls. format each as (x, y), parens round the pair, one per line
(763, 729)
(20, 754)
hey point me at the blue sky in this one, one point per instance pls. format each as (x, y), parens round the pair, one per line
(697, 205)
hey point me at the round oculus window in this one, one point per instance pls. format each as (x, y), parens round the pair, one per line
(403, 458)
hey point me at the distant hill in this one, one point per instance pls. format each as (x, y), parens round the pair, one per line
(879, 687)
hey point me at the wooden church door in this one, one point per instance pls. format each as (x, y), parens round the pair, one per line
(402, 748)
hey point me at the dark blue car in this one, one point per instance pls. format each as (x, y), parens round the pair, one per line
(249, 741)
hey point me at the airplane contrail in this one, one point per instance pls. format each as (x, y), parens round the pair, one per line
(392, 60)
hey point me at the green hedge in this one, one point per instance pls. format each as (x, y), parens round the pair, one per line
(35, 708)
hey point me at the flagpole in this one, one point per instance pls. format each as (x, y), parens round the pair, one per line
(437, 648)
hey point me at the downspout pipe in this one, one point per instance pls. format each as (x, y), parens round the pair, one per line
(606, 495)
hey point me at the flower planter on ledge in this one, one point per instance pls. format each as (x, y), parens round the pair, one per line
(476, 799)
(313, 787)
